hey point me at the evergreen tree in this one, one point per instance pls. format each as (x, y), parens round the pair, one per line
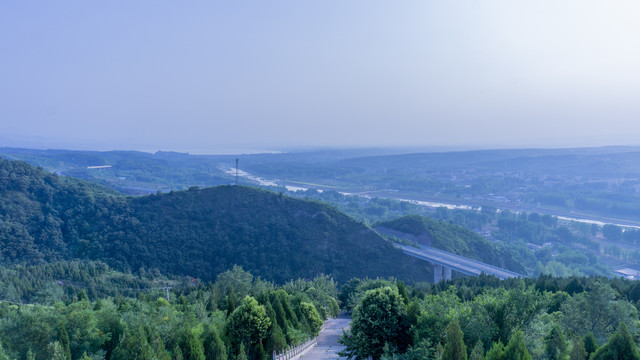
(516, 348)
(478, 352)
(276, 339)
(578, 351)
(194, 344)
(496, 352)
(590, 343)
(57, 351)
(177, 353)
(402, 290)
(242, 353)
(4, 356)
(213, 346)
(454, 349)
(620, 347)
(259, 353)
(232, 301)
(556, 345)
(63, 339)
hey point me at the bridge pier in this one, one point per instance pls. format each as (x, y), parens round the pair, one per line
(437, 273)
(447, 273)
(441, 273)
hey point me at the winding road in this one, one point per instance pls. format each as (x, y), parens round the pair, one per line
(328, 346)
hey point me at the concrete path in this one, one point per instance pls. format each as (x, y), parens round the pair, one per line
(328, 346)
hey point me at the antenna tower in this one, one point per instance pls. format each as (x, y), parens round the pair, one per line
(167, 288)
(237, 170)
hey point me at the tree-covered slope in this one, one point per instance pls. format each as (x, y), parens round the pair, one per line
(449, 237)
(44, 217)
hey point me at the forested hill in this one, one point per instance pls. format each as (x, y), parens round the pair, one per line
(45, 217)
(452, 238)
(199, 232)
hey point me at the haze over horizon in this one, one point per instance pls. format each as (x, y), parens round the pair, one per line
(207, 77)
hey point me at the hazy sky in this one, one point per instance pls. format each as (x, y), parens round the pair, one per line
(204, 76)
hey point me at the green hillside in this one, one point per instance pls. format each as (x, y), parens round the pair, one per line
(452, 238)
(199, 232)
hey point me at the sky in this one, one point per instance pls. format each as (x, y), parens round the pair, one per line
(219, 76)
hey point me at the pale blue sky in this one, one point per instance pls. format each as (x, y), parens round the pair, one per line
(204, 76)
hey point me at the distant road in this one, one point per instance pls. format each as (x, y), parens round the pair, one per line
(328, 346)
(456, 262)
(453, 203)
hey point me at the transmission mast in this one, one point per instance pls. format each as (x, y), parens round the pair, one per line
(237, 160)
(167, 288)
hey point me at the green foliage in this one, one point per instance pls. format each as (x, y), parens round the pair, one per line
(248, 324)
(619, 347)
(4, 356)
(378, 320)
(556, 344)
(312, 317)
(516, 348)
(242, 353)
(454, 348)
(63, 340)
(449, 237)
(213, 346)
(199, 232)
(148, 327)
(598, 311)
(578, 351)
(57, 351)
(590, 343)
(496, 352)
(477, 353)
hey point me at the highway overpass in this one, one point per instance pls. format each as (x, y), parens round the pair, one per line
(444, 262)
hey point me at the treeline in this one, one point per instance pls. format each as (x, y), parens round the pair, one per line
(484, 318)
(65, 280)
(237, 317)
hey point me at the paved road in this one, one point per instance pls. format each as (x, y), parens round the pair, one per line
(456, 262)
(328, 346)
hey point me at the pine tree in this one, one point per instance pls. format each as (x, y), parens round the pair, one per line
(454, 349)
(213, 345)
(232, 301)
(578, 351)
(590, 343)
(620, 347)
(478, 352)
(242, 353)
(57, 351)
(259, 353)
(63, 339)
(402, 290)
(556, 345)
(496, 352)
(177, 353)
(4, 356)
(516, 348)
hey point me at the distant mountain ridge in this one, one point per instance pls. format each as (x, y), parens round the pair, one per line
(199, 232)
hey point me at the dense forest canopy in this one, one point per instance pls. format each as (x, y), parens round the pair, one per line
(199, 232)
